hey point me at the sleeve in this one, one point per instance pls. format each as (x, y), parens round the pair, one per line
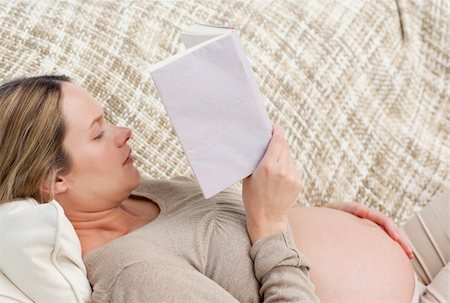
(143, 282)
(282, 270)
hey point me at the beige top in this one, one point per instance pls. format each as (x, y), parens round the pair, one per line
(197, 250)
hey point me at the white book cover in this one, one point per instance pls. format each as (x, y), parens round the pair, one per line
(217, 111)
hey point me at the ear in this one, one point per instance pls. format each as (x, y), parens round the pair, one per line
(59, 186)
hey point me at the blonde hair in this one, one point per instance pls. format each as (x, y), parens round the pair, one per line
(32, 130)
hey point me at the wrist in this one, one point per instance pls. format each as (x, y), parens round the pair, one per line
(258, 229)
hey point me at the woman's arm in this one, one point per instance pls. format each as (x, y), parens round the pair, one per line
(270, 192)
(282, 270)
(268, 196)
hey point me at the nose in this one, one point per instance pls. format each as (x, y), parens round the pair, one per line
(123, 134)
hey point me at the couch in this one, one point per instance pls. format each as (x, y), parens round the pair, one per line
(362, 88)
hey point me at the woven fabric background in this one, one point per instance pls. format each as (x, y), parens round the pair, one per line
(361, 87)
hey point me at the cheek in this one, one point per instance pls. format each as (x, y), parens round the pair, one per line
(99, 161)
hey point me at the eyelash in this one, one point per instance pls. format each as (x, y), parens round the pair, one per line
(99, 136)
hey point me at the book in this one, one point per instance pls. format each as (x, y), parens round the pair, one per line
(197, 33)
(216, 109)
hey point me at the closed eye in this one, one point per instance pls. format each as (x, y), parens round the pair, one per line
(99, 135)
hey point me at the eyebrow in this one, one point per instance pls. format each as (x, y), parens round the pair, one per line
(96, 120)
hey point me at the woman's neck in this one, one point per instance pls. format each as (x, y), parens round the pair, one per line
(95, 229)
(116, 219)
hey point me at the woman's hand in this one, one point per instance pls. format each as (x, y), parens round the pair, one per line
(271, 190)
(377, 217)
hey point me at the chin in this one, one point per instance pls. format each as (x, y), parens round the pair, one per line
(136, 179)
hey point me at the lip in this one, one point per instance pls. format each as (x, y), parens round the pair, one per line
(129, 159)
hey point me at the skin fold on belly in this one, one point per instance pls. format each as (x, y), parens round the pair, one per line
(352, 259)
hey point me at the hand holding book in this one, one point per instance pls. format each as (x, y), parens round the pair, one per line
(270, 192)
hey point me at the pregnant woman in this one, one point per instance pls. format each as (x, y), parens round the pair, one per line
(149, 240)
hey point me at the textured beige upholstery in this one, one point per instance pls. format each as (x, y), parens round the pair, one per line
(361, 87)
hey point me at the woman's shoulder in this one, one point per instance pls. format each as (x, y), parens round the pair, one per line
(180, 187)
(181, 192)
(167, 192)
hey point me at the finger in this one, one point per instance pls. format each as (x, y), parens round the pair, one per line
(357, 209)
(276, 145)
(406, 248)
(285, 158)
(289, 167)
(390, 227)
(382, 220)
(404, 242)
(392, 230)
(349, 207)
(362, 211)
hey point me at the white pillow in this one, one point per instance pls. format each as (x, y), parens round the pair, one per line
(40, 255)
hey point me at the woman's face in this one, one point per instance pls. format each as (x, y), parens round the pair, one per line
(102, 173)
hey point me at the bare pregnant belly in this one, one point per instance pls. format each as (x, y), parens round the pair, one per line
(352, 259)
